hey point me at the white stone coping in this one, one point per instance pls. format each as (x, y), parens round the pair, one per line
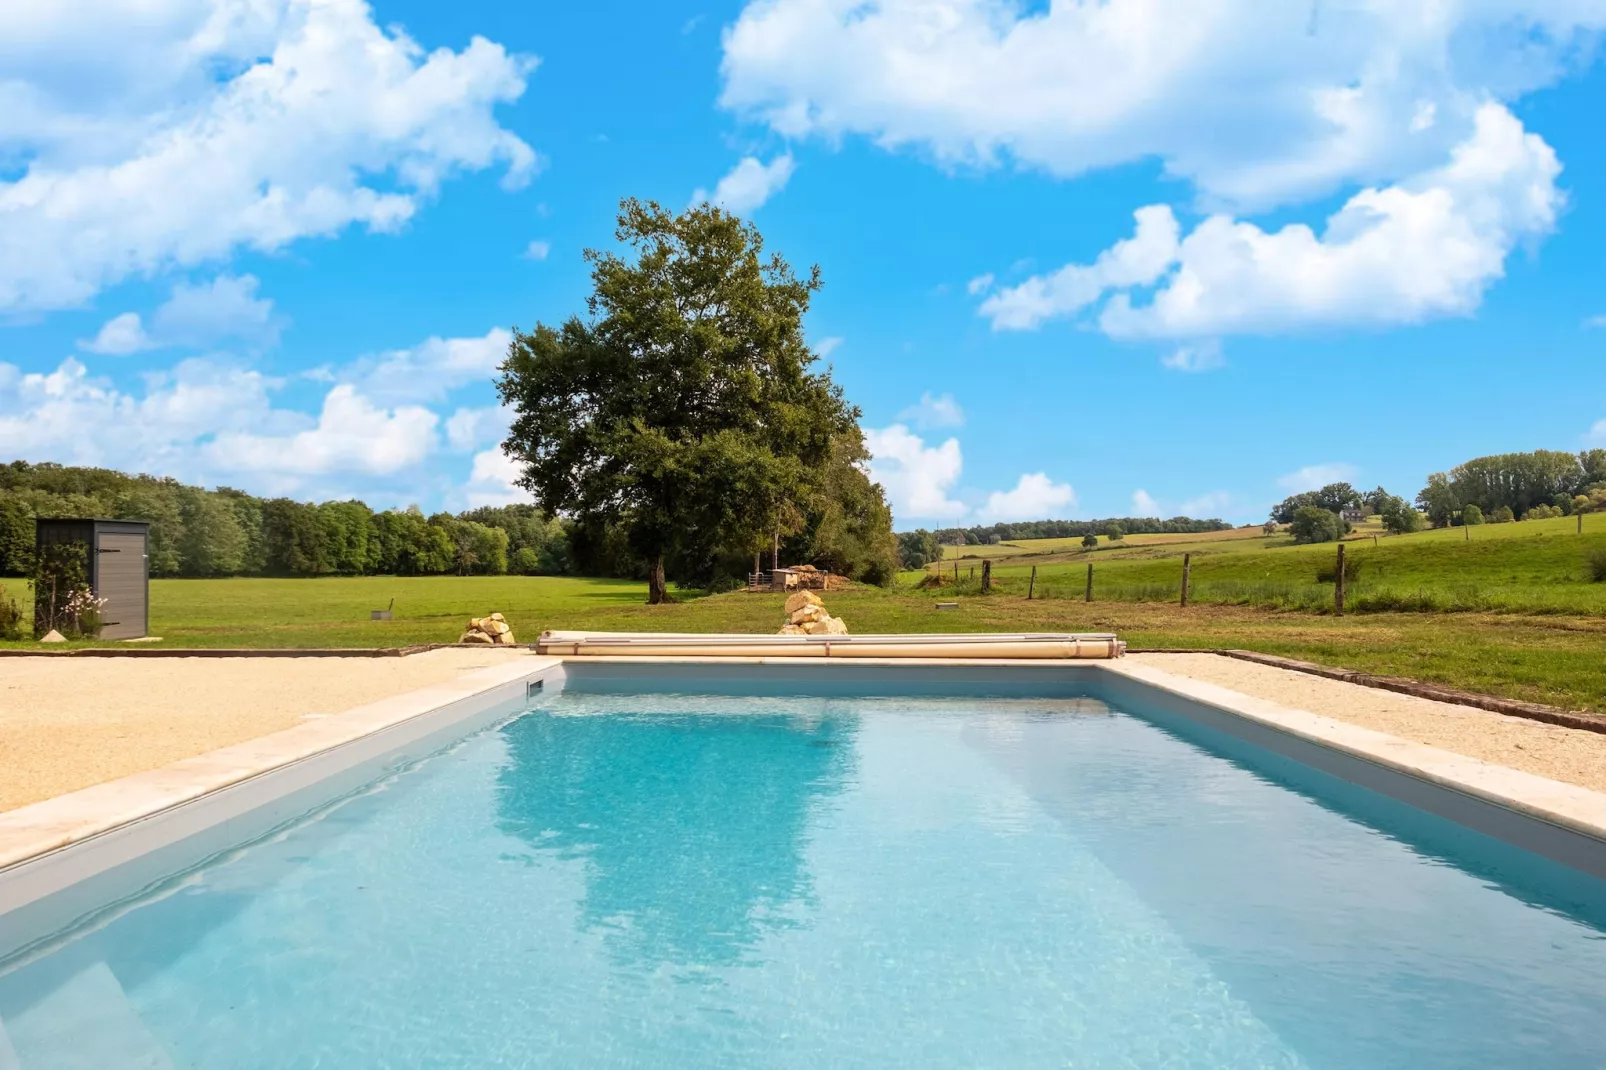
(40, 828)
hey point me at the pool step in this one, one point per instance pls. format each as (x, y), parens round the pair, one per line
(86, 1024)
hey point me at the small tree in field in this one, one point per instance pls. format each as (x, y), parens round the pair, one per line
(1114, 532)
(1471, 515)
(1314, 524)
(685, 411)
(1090, 541)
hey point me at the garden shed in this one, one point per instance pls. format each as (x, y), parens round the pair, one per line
(117, 564)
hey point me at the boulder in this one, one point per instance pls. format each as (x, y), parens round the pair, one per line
(53, 636)
(792, 629)
(801, 599)
(496, 617)
(804, 614)
(835, 626)
(474, 635)
(492, 630)
(505, 636)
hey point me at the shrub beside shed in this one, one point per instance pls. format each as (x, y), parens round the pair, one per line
(117, 565)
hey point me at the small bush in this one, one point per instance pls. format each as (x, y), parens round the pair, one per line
(1503, 515)
(1114, 532)
(1542, 512)
(1471, 515)
(1090, 541)
(1595, 565)
(11, 626)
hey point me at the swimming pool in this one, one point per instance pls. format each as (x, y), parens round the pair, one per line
(625, 875)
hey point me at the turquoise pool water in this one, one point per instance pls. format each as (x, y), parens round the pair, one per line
(647, 880)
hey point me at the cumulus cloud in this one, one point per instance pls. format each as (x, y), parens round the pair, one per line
(173, 132)
(468, 429)
(538, 250)
(119, 336)
(916, 477)
(1427, 247)
(431, 369)
(980, 284)
(352, 434)
(215, 420)
(1034, 497)
(199, 315)
(1256, 104)
(933, 413)
(1143, 504)
(1316, 476)
(749, 184)
(491, 480)
(1137, 261)
(1212, 502)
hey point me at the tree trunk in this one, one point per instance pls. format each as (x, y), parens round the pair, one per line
(657, 593)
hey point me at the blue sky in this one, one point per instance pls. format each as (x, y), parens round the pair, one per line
(1148, 256)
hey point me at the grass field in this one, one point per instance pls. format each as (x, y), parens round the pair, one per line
(1535, 567)
(1555, 658)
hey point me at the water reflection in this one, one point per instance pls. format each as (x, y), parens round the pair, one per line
(691, 819)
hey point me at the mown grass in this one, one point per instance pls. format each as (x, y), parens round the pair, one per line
(1556, 659)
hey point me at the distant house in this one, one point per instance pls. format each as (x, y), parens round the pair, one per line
(1352, 516)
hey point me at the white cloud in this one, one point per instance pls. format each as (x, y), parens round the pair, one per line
(431, 369)
(1143, 504)
(119, 336)
(491, 481)
(352, 435)
(933, 413)
(172, 132)
(468, 429)
(1255, 103)
(211, 420)
(980, 284)
(538, 250)
(1137, 261)
(916, 477)
(827, 346)
(1596, 321)
(195, 315)
(1427, 247)
(1597, 433)
(749, 184)
(1196, 357)
(1316, 476)
(1035, 497)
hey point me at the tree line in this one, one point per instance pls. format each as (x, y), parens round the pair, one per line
(226, 532)
(1507, 486)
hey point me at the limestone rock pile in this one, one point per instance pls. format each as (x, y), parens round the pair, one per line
(806, 615)
(488, 631)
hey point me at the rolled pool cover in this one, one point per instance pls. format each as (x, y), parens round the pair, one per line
(689, 645)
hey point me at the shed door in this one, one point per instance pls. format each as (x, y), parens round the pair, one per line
(122, 584)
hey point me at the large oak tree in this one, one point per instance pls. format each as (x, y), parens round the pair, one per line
(684, 409)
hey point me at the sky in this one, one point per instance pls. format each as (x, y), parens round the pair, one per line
(1139, 257)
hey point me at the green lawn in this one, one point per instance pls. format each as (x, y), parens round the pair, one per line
(1555, 658)
(1533, 567)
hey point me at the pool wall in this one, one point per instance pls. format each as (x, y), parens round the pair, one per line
(66, 858)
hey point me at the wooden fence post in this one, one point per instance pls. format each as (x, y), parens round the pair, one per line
(1580, 523)
(1033, 585)
(972, 572)
(956, 573)
(1187, 566)
(986, 576)
(1338, 584)
(1090, 581)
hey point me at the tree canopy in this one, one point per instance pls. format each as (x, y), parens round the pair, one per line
(1335, 497)
(685, 411)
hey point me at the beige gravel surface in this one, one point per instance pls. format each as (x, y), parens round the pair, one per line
(1565, 754)
(68, 723)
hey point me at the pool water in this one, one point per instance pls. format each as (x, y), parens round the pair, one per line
(649, 880)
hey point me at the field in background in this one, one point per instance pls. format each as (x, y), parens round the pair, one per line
(1537, 567)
